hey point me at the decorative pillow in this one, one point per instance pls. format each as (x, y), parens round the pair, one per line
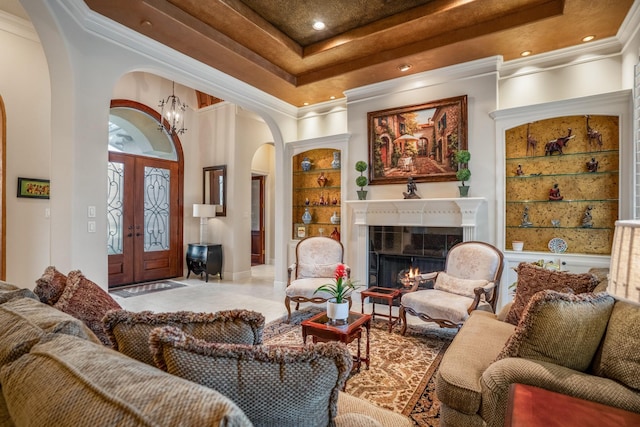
(620, 358)
(50, 286)
(564, 329)
(65, 381)
(6, 295)
(273, 385)
(129, 332)
(532, 279)
(25, 321)
(457, 286)
(86, 301)
(316, 270)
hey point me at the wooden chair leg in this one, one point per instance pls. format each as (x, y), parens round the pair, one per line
(403, 320)
(287, 303)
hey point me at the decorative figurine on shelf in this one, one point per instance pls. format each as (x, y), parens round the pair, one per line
(555, 223)
(335, 234)
(519, 170)
(587, 220)
(592, 165)
(556, 145)
(322, 202)
(531, 143)
(306, 201)
(525, 218)
(335, 163)
(306, 164)
(554, 193)
(322, 180)
(593, 134)
(411, 190)
(334, 201)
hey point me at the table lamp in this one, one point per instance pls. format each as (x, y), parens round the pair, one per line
(624, 271)
(204, 212)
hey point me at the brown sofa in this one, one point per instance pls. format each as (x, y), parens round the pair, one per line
(582, 345)
(55, 371)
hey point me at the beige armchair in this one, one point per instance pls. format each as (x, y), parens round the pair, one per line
(470, 282)
(316, 262)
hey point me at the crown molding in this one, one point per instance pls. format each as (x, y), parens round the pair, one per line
(18, 26)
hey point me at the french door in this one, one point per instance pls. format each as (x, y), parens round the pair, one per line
(143, 219)
(257, 220)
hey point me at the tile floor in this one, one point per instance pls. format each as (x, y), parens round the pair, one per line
(257, 293)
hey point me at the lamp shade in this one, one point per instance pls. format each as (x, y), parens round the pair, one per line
(624, 271)
(204, 211)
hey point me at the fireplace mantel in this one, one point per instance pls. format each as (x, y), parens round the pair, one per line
(450, 212)
(469, 213)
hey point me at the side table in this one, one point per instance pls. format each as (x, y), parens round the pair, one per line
(530, 406)
(321, 329)
(204, 258)
(388, 294)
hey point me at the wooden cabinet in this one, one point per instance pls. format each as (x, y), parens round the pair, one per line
(570, 194)
(204, 258)
(317, 190)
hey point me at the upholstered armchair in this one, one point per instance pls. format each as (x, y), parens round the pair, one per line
(470, 282)
(316, 262)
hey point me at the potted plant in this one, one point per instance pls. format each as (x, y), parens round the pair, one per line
(362, 180)
(340, 291)
(463, 174)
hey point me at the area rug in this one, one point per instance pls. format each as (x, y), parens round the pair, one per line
(402, 369)
(147, 288)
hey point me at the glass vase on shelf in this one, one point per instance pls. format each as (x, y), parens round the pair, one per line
(306, 216)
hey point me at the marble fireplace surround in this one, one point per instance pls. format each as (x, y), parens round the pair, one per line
(469, 213)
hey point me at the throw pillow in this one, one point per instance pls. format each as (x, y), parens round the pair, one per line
(129, 332)
(532, 279)
(454, 285)
(564, 329)
(65, 381)
(316, 270)
(50, 286)
(274, 385)
(620, 358)
(25, 321)
(86, 301)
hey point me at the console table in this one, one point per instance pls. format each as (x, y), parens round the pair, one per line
(204, 258)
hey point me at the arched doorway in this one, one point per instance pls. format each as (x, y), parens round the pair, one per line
(145, 197)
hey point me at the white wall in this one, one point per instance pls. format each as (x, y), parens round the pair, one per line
(26, 93)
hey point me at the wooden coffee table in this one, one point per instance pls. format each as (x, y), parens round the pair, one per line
(321, 329)
(388, 294)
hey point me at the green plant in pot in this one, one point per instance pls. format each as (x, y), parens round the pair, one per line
(362, 180)
(340, 291)
(463, 174)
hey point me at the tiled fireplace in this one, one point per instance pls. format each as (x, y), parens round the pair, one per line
(395, 235)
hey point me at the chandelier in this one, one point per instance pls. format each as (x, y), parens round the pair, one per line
(172, 109)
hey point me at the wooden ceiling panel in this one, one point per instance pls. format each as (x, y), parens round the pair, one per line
(280, 54)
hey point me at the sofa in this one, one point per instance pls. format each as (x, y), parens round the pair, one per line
(567, 337)
(54, 370)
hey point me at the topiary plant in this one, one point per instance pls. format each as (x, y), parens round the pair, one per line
(361, 180)
(462, 157)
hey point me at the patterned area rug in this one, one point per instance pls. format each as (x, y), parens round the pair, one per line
(402, 367)
(147, 288)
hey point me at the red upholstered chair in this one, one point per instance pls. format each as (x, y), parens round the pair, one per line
(316, 262)
(470, 282)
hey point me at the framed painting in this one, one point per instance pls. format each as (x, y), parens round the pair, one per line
(33, 188)
(418, 141)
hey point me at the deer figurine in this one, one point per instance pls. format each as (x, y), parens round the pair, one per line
(593, 134)
(531, 142)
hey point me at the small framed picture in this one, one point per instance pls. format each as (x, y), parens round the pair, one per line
(302, 231)
(33, 188)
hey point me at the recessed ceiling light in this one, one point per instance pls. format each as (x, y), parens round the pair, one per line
(319, 26)
(333, 97)
(404, 67)
(146, 23)
(525, 53)
(306, 103)
(588, 38)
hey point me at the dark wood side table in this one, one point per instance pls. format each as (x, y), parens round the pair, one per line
(321, 329)
(387, 294)
(204, 258)
(531, 406)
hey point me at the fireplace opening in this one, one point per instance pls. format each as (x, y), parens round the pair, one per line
(395, 250)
